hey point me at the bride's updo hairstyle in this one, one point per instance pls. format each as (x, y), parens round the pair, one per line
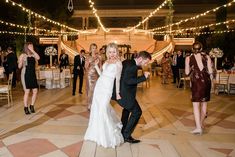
(114, 46)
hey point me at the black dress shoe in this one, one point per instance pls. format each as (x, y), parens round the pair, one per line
(32, 110)
(26, 110)
(73, 94)
(80, 92)
(131, 140)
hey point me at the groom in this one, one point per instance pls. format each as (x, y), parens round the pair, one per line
(128, 85)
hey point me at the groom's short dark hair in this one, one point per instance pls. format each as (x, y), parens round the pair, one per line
(144, 55)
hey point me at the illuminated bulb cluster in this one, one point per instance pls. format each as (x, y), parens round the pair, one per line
(94, 11)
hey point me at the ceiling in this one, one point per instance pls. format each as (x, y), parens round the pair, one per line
(182, 9)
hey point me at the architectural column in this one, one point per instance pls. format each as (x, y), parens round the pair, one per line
(87, 22)
(143, 25)
(146, 24)
(59, 45)
(83, 22)
(169, 18)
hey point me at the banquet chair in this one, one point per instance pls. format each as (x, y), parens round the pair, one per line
(6, 91)
(67, 76)
(40, 80)
(183, 77)
(56, 77)
(231, 87)
(221, 83)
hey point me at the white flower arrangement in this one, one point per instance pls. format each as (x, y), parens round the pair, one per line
(50, 50)
(216, 53)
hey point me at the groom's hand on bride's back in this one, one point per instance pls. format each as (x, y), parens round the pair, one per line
(146, 74)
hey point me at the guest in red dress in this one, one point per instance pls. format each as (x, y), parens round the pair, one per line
(198, 66)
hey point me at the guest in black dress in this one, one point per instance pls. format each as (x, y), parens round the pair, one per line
(27, 61)
(199, 66)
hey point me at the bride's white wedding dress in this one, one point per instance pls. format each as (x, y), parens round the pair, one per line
(104, 127)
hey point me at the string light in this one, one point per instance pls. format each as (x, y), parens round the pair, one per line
(94, 10)
(148, 17)
(199, 27)
(42, 17)
(195, 17)
(29, 34)
(24, 27)
(199, 33)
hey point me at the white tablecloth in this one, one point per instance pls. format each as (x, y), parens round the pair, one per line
(47, 74)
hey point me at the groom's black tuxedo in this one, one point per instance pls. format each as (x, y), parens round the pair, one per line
(128, 87)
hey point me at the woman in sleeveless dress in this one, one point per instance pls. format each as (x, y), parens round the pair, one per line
(92, 74)
(104, 126)
(198, 65)
(27, 61)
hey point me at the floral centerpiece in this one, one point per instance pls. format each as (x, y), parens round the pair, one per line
(216, 53)
(50, 51)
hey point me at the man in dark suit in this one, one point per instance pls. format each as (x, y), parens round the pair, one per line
(11, 63)
(78, 70)
(128, 85)
(64, 60)
(180, 64)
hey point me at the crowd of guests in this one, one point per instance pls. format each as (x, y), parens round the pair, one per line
(197, 64)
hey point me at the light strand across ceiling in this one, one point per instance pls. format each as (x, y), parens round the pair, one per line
(148, 17)
(29, 34)
(198, 33)
(94, 11)
(195, 17)
(26, 27)
(41, 16)
(199, 27)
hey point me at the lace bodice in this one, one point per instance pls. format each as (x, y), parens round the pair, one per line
(112, 70)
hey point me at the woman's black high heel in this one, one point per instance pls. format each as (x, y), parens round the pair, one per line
(26, 110)
(31, 107)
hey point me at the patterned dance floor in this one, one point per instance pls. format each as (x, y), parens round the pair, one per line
(58, 126)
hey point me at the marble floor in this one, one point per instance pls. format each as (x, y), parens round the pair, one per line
(58, 126)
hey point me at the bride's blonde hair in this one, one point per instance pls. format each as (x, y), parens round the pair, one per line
(112, 45)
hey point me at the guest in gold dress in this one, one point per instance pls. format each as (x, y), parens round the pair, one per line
(92, 74)
(166, 68)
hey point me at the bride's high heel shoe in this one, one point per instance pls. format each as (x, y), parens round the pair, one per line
(196, 132)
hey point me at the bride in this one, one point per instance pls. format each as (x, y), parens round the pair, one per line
(104, 127)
